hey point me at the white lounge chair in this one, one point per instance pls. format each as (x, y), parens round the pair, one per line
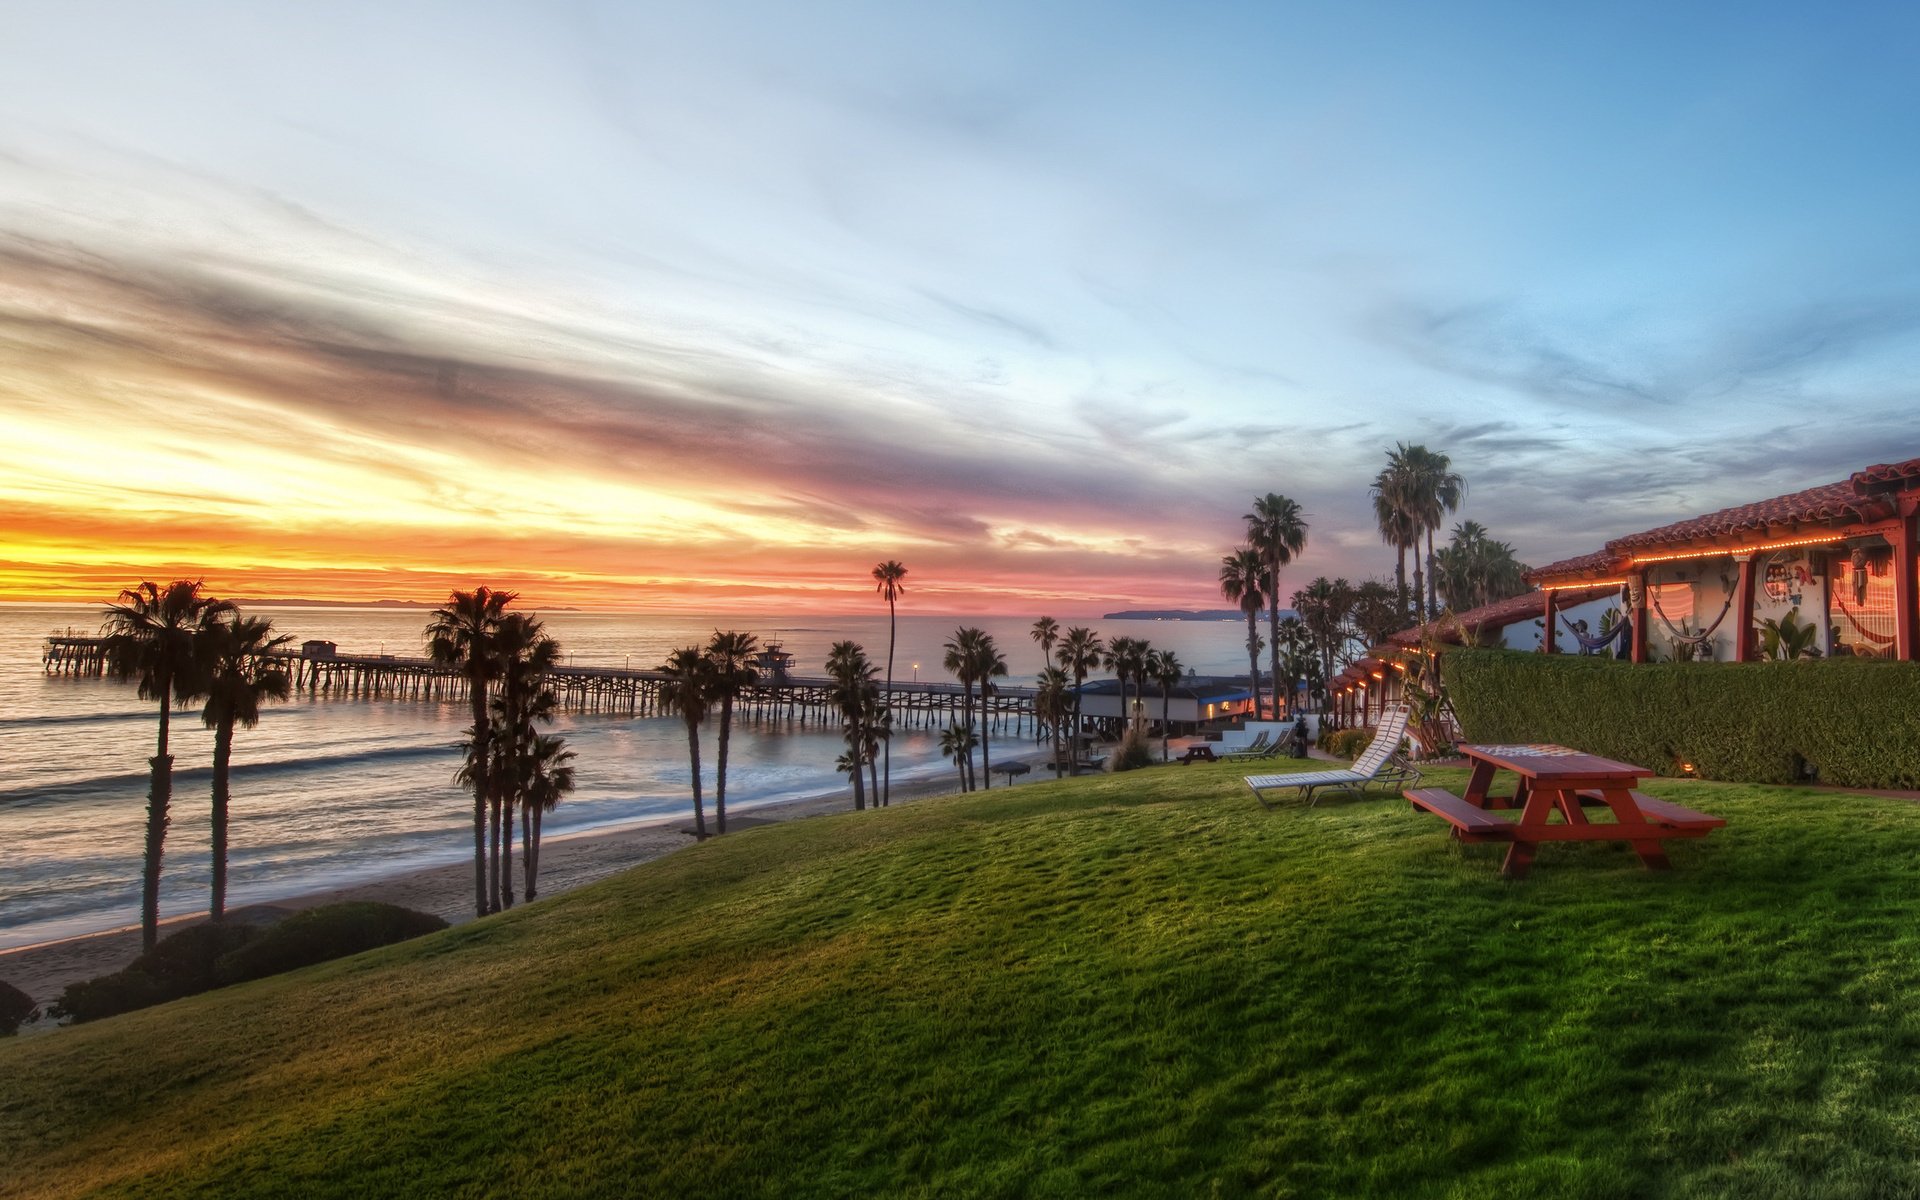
(1380, 763)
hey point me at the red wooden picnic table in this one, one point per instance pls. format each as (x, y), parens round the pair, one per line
(1554, 779)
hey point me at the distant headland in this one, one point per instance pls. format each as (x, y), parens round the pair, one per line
(1183, 614)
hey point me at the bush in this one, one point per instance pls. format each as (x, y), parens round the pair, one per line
(1134, 751)
(1846, 721)
(16, 1009)
(319, 934)
(179, 964)
(1349, 743)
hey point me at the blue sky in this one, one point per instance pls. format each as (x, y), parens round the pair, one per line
(1014, 291)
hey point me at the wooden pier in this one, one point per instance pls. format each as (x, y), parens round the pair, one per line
(317, 668)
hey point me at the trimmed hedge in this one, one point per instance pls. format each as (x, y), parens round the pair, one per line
(1852, 722)
(318, 934)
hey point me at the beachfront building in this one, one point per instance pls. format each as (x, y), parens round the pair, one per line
(1838, 562)
(1196, 701)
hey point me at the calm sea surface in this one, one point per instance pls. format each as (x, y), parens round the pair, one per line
(328, 791)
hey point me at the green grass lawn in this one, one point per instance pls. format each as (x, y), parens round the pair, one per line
(1141, 985)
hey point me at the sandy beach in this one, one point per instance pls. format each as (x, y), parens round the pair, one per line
(45, 969)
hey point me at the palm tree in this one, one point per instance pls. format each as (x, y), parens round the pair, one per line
(1398, 526)
(1052, 703)
(961, 660)
(1243, 581)
(887, 577)
(988, 665)
(460, 635)
(240, 673)
(688, 688)
(549, 774)
(1324, 606)
(857, 697)
(1125, 658)
(730, 653)
(1433, 490)
(956, 744)
(1298, 644)
(523, 654)
(152, 636)
(1278, 531)
(1165, 667)
(1080, 652)
(1474, 569)
(1045, 632)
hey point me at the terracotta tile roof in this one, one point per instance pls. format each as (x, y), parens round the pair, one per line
(1528, 606)
(1883, 473)
(1828, 502)
(1599, 562)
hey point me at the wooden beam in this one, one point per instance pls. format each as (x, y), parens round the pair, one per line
(1906, 591)
(1743, 611)
(1547, 643)
(1638, 634)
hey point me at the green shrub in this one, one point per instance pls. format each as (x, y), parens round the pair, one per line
(1134, 751)
(179, 964)
(318, 934)
(1848, 721)
(16, 1009)
(108, 996)
(1349, 743)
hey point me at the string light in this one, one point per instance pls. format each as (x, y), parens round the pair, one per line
(1583, 583)
(1824, 540)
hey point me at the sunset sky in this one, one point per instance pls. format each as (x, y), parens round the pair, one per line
(714, 306)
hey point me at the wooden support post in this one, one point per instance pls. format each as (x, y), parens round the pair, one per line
(1547, 643)
(1906, 586)
(1743, 610)
(1638, 634)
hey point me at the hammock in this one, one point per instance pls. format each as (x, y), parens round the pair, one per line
(1705, 636)
(1862, 630)
(1594, 645)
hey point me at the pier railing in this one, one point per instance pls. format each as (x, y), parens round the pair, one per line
(588, 688)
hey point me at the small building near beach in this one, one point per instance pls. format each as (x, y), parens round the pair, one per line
(1196, 700)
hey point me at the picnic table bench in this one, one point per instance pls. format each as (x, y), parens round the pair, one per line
(1554, 779)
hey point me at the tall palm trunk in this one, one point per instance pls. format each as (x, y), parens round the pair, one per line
(482, 785)
(873, 779)
(886, 748)
(720, 764)
(1166, 723)
(1433, 589)
(1273, 638)
(506, 851)
(1400, 575)
(159, 801)
(986, 758)
(526, 847)
(1073, 735)
(222, 790)
(493, 858)
(1419, 584)
(859, 776)
(966, 708)
(693, 756)
(1253, 657)
(532, 874)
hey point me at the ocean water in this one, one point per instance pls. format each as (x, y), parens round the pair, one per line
(330, 790)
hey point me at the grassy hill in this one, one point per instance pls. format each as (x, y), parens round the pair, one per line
(1140, 985)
